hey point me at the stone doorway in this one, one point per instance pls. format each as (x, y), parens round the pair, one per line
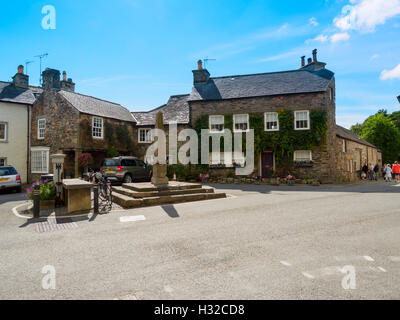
(267, 163)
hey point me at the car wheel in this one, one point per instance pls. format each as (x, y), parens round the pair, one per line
(128, 178)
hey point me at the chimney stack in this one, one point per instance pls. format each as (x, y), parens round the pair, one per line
(309, 60)
(314, 54)
(200, 75)
(303, 61)
(67, 84)
(51, 79)
(20, 79)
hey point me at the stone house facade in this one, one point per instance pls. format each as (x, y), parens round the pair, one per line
(310, 88)
(63, 121)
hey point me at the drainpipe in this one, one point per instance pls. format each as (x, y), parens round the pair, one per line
(28, 139)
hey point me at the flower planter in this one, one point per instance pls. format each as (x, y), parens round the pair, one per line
(237, 180)
(47, 204)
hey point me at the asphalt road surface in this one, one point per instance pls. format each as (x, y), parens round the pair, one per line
(262, 242)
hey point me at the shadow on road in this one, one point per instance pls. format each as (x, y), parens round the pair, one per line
(368, 187)
(171, 211)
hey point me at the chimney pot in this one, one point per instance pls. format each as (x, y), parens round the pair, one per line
(309, 60)
(199, 65)
(303, 61)
(20, 79)
(21, 69)
(64, 76)
(314, 53)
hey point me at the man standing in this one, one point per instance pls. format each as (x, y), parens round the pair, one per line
(376, 171)
(364, 172)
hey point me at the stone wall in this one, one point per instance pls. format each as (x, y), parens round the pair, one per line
(324, 157)
(352, 157)
(62, 124)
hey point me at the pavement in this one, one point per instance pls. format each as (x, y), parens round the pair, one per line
(262, 242)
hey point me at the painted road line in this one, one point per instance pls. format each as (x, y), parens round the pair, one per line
(394, 259)
(368, 258)
(132, 218)
(285, 263)
(382, 269)
(307, 275)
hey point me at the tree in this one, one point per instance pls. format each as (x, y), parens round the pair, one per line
(395, 117)
(381, 132)
(357, 128)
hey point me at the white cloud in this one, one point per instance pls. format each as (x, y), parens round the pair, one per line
(321, 38)
(313, 22)
(365, 15)
(373, 57)
(391, 74)
(340, 37)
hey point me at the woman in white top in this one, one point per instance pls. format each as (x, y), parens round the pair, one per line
(388, 173)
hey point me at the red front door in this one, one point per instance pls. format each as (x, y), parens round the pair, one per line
(267, 164)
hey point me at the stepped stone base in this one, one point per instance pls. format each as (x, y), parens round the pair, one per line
(132, 195)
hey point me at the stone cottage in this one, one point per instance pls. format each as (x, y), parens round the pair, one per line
(72, 123)
(16, 99)
(293, 115)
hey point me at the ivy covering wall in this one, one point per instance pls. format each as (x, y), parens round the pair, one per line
(283, 142)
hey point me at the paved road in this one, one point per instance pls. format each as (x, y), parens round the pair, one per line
(262, 242)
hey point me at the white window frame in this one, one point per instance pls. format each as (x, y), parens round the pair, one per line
(223, 123)
(44, 151)
(3, 159)
(296, 160)
(97, 127)
(247, 120)
(344, 146)
(265, 121)
(308, 119)
(5, 131)
(39, 129)
(139, 136)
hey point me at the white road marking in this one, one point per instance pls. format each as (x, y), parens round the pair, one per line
(307, 275)
(132, 218)
(15, 211)
(382, 269)
(285, 263)
(394, 259)
(368, 258)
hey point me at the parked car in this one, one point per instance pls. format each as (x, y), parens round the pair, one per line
(125, 169)
(10, 179)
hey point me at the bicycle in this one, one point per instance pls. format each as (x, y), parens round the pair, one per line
(105, 189)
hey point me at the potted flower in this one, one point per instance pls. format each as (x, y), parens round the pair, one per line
(290, 179)
(274, 178)
(237, 179)
(47, 194)
(85, 160)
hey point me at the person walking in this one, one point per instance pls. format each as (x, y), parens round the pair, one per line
(388, 173)
(364, 171)
(376, 171)
(396, 171)
(370, 172)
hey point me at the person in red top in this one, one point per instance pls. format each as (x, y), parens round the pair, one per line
(396, 170)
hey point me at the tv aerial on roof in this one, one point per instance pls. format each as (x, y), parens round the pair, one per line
(27, 63)
(206, 61)
(41, 56)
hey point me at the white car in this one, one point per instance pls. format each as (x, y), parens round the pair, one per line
(10, 179)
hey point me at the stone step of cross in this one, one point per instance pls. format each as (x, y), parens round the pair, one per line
(143, 194)
(129, 202)
(172, 185)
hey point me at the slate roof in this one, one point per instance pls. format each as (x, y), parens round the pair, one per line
(262, 84)
(97, 107)
(176, 110)
(10, 93)
(347, 134)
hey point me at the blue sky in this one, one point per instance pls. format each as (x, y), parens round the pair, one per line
(138, 53)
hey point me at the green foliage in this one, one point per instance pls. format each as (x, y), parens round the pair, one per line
(283, 142)
(381, 132)
(357, 128)
(86, 138)
(186, 172)
(47, 191)
(123, 136)
(395, 117)
(109, 133)
(112, 152)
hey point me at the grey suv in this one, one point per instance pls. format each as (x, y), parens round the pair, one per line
(125, 169)
(10, 179)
